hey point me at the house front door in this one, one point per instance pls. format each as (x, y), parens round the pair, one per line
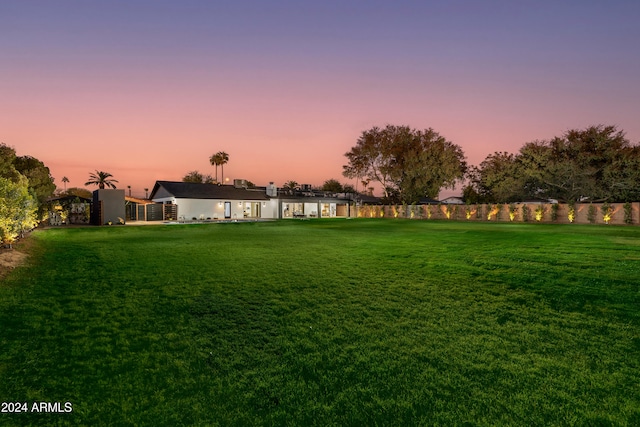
(227, 209)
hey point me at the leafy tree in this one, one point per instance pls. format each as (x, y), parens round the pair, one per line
(7, 163)
(597, 163)
(348, 188)
(332, 185)
(408, 163)
(17, 208)
(498, 179)
(371, 158)
(39, 180)
(195, 176)
(622, 175)
(470, 193)
(101, 179)
(79, 192)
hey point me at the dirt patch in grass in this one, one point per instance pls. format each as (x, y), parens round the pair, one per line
(15, 257)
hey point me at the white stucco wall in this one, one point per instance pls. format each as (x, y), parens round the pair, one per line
(270, 209)
(214, 208)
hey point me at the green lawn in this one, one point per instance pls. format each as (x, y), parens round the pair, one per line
(326, 322)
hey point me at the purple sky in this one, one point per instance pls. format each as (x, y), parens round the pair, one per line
(148, 90)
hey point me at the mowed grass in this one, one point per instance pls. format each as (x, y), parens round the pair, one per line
(326, 322)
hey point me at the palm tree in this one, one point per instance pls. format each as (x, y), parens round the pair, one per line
(222, 159)
(101, 179)
(129, 187)
(215, 161)
(146, 193)
(291, 186)
(64, 181)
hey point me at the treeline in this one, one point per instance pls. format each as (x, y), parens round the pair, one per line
(25, 185)
(596, 164)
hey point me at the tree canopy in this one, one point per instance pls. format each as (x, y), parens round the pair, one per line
(409, 164)
(332, 185)
(195, 176)
(76, 191)
(39, 177)
(17, 208)
(498, 178)
(25, 184)
(597, 163)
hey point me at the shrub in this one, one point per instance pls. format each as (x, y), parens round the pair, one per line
(450, 211)
(591, 214)
(18, 209)
(606, 211)
(628, 217)
(554, 212)
(467, 212)
(571, 213)
(525, 213)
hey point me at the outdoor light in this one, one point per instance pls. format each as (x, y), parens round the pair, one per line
(264, 204)
(219, 203)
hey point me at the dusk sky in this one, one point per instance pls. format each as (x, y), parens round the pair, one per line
(148, 90)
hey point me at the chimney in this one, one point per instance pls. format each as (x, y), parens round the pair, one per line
(272, 190)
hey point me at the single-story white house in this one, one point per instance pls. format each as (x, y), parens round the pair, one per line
(196, 201)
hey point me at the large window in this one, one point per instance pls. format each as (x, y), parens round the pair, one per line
(291, 210)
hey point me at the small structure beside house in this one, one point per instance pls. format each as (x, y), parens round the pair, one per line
(108, 207)
(69, 210)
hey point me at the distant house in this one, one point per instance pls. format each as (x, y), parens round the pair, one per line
(196, 201)
(453, 200)
(428, 201)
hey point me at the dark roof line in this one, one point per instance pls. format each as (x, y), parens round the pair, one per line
(195, 190)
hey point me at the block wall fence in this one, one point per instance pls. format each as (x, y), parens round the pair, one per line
(561, 213)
